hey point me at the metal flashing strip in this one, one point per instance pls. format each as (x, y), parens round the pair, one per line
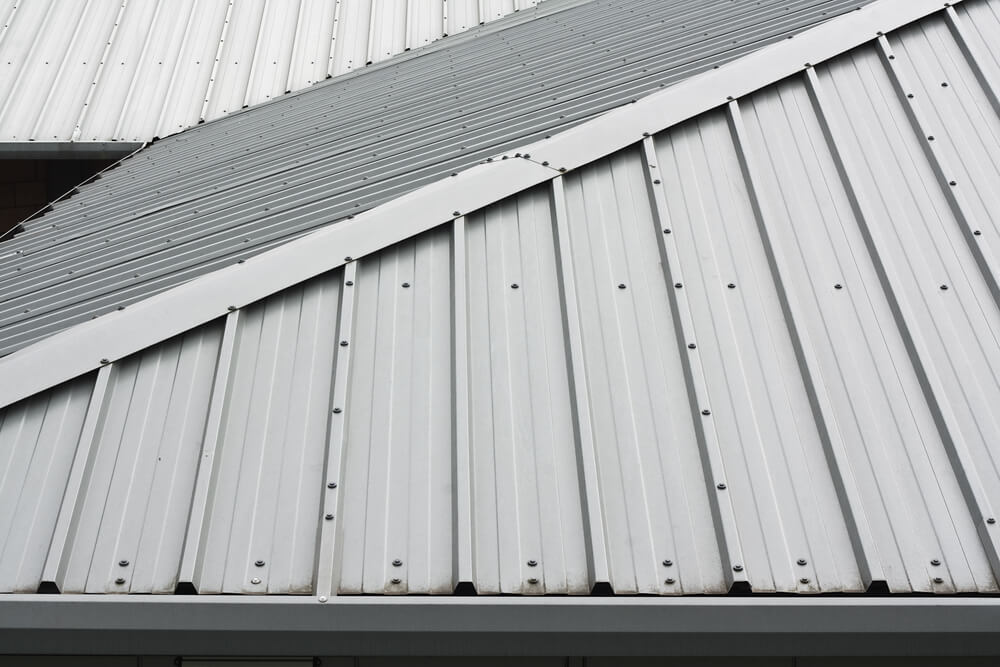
(256, 625)
(78, 350)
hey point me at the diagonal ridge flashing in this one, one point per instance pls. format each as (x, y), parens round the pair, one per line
(87, 346)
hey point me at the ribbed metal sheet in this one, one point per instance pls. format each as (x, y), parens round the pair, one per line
(773, 327)
(203, 199)
(131, 70)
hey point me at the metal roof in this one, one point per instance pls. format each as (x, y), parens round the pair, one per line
(131, 70)
(201, 200)
(742, 342)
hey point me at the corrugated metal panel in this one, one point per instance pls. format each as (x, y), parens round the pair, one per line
(202, 199)
(771, 327)
(131, 70)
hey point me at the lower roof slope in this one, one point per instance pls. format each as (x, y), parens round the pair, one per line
(205, 198)
(754, 349)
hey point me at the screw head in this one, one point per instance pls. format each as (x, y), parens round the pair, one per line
(706, 412)
(337, 411)
(721, 486)
(977, 233)
(255, 580)
(656, 181)
(938, 580)
(532, 581)
(123, 563)
(838, 286)
(935, 562)
(514, 286)
(331, 485)
(343, 343)
(621, 285)
(668, 563)
(322, 598)
(731, 285)
(120, 580)
(952, 183)
(804, 580)
(801, 561)
(737, 568)
(532, 563)
(349, 283)
(406, 284)
(991, 521)
(105, 361)
(666, 231)
(944, 287)
(329, 517)
(397, 563)
(692, 346)
(395, 581)
(456, 213)
(668, 581)
(259, 563)
(348, 259)
(678, 285)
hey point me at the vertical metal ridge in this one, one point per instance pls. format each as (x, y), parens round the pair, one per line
(595, 530)
(21, 72)
(373, 24)
(191, 559)
(83, 463)
(300, 14)
(78, 128)
(726, 529)
(951, 434)
(62, 66)
(465, 573)
(134, 79)
(862, 540)
(256, 54)
(972, 56)
(161, 118)
(930, 384)
(215, 65)
(952, 191)
(330, 543)
(333, 39)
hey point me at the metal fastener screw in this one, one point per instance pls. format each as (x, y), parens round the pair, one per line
(343, 343)
(348, 259)
(666, 231)
(935, 562)
(721, 486)
(255, 580)
(230, 308)
(678, 285)
(123, 563)
(514, 286)
(991, 521)
(801, 561)
(349, 283)
(804, 580)
(396, 581)
(838, 286)
(397, 563)
(329, 517)
(706, 412)
(120, 580)
(930, 138)
(938, 580)
(406, 284)
(691, 346)
(656, 181)
(668, 581)
(331, 485)
(944, 287)
(668, 563)
(259, 563)
(977, 233)
(532, 581)
(456, 213)
(105, 361)
(737, 568)
(337, 411)
(731, 285)
(532, 563)
(953, 183)
(621, 285)
(322, 598)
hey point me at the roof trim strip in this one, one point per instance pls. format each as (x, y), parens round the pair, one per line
(82, 348)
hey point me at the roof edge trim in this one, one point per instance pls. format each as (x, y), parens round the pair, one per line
(369, 625)
(87, 346)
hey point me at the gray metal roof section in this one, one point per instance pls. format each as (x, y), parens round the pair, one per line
(752, 350)
(206, 198)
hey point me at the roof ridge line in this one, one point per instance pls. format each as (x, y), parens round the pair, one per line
(88, 346)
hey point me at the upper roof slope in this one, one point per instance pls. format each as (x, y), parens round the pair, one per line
(108, 70)
(208, 197)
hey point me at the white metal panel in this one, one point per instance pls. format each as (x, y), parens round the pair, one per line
(526, 491)
(265, 501)
(38, 437)
(397, 479)
(652, 482)
(134, 508)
